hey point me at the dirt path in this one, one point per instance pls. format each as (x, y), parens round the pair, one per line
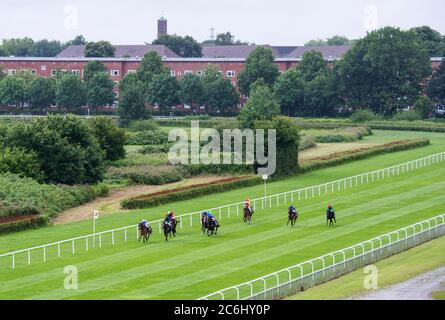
(111, 203)
(418, 288)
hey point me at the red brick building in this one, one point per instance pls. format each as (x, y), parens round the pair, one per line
(230, 60)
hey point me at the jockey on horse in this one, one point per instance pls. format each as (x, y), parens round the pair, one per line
(144, 224)
(330, 215)
(209, 218)
(170, 218)
(247, 205)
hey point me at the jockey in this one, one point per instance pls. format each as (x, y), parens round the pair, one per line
(209, 216)
(172, 215)
(330, 209)
(144, 223)
(292, 209)
(247, 204)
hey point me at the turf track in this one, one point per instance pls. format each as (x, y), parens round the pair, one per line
(193, 265)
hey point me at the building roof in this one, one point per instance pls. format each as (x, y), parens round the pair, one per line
(122, 51)
(328, 52)
(233, 51)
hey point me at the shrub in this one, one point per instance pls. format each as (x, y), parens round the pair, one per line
(147, 137)
(21, 162)
(364, 116)
(111, 138)
(150, 175)
(407, 116)
(101, 190)
(143, 125)
(306, 142)
(155, 149)
(424, 107)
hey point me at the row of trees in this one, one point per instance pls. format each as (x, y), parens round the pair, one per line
(153, 84)
(383, 72)
(67, 91)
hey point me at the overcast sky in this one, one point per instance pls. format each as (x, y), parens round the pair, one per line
(276, 22)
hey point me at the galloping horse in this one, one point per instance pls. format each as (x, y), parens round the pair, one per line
(144, 232)
(248, 212)
(330, 217)
(170, 228)
(292, 217)
(212, 227)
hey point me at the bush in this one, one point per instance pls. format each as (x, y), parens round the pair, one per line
(67, 150)
(407, 116)
(155, 149)
(424, 107)
(101, 190)
(153, 200)
(149, 175)
(21, 162)
(147, 137)
(306, 142)
(364, 116)
(143, 125)
(111, 138)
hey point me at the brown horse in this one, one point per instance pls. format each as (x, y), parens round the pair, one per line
(170, 228)
(248, 212)
(144, 232)
(292, 218)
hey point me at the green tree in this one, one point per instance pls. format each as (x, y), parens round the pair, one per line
(261, 106)
(289, 91)
(182, 46)
(93, 67)
(77, 41)
(287, 139)
(436, 86)
(191, 90)
(100, 49)
(259, 64)
(312, 65)
(13, 90)
(219, 93)
(132, 103)
(111, 138)
(431, 40)
(385, 66)
(67, 150)
(45, 48)
(332, 41)
(100, 90)
(42, 93)
(163, 91)
(320, 96)
(424, 107)
(18, 47)
(21, 162)
(150, 66)
(71, 93)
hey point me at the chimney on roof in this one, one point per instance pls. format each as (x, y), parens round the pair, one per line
(162, 27)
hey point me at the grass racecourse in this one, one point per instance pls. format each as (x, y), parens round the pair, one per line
(193, 265)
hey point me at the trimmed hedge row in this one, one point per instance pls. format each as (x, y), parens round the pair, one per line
(145, 174)
(153, 200)
(387, 148)
(211, 123)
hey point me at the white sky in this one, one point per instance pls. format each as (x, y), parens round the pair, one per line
(275, 22)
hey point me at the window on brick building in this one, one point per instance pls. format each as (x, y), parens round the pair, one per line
(131, 71)
(188, 72)
(75, 72)
(173, 73)
(220, 72)
(12, 72)
(34, 72)
(43, 68)
(114, 73)
(230, 73)
(200, 72)
(179, 73)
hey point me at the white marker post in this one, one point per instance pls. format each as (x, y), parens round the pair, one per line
(95, 217)
(265, 177)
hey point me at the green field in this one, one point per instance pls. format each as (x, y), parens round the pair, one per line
(193, 265)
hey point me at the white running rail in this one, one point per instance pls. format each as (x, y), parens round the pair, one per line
(93, 240)
(309, 273)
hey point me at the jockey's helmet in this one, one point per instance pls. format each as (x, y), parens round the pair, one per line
(330, 206)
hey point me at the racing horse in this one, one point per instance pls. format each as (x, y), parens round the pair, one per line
(212, 227)
(330, 217)
(144, 232)
(292, 217)
(248, 212)
(170, 228)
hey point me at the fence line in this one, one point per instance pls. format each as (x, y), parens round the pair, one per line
(263, 203)
(329, 266)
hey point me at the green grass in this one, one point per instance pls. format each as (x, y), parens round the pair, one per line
(192, 265)
(398, 268)
(439, 295)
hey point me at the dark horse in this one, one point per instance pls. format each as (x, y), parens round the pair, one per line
(170, 228)
(292, 217)
(210, 226)
(144, 232)
(247, 215)
(330, 217)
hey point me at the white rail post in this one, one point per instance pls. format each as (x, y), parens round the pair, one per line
(125, 234)
(44, 254)
(100, 240)
(191, 220)
(86, 243)
(29, 257)
(58, 249)
(13, 261)
(73, 246)
(112, 238)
